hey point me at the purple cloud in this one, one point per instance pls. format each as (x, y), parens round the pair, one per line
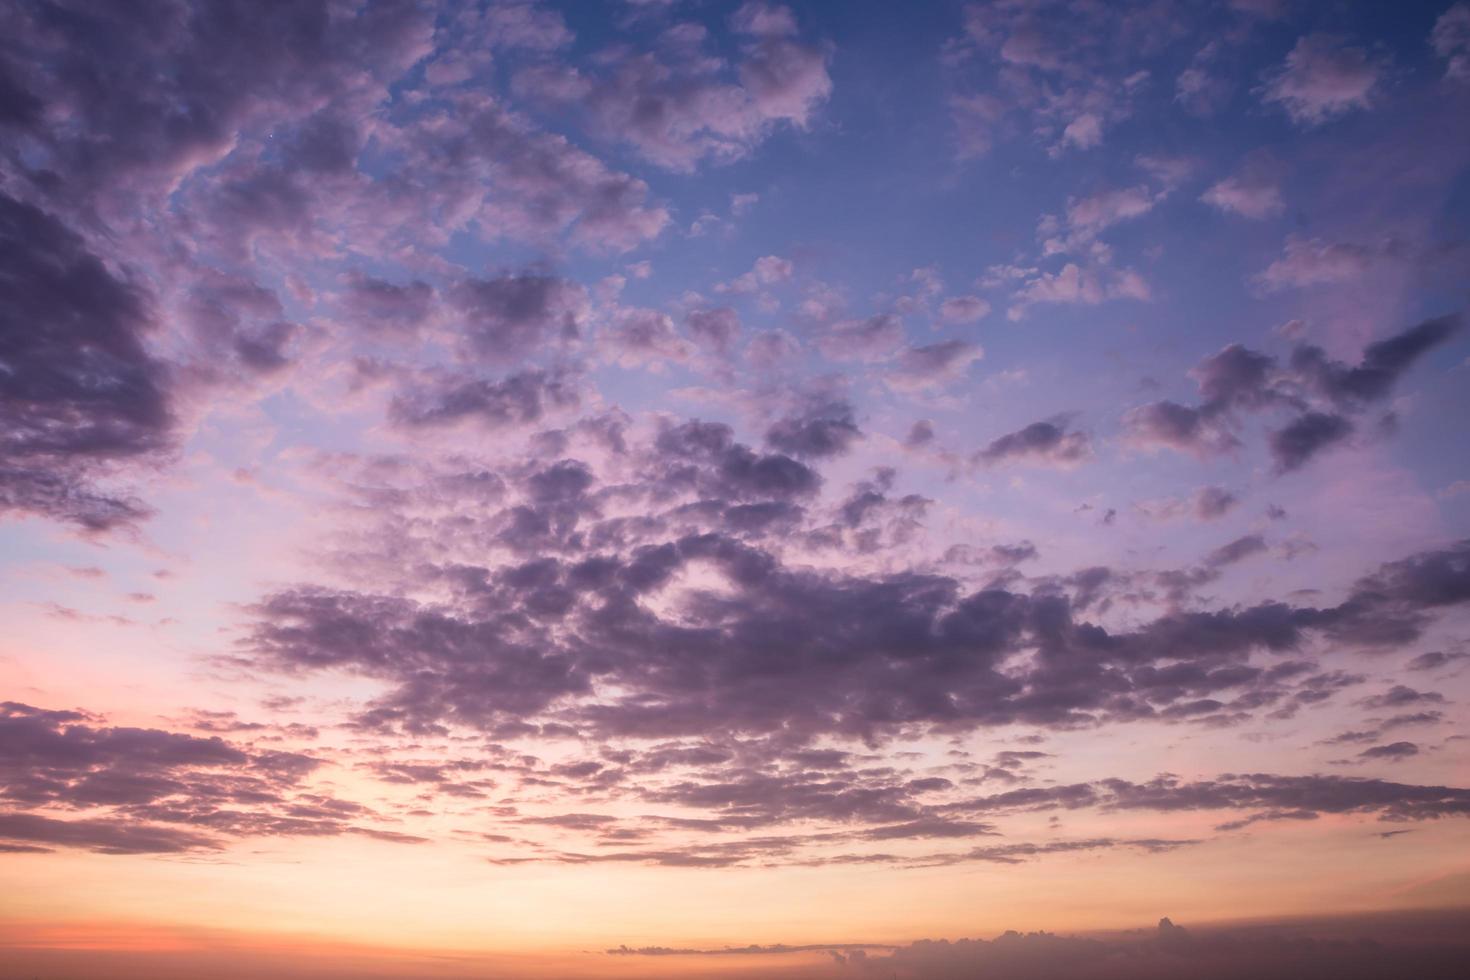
(1046, 443)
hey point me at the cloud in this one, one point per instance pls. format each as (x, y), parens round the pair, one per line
(752, 950)
(821, 429)
(1275, 950)
(715, 329)
(921, 433)
(875, 339)
(240, 325)
(1313, 262)
(101, 836)
(1063, 73)
(685, 105)
(1074, 285)
(230, 67)
(768, 270)
(645, 606)
(876, 518)
(1045, 443)
(703, 657)
(215, 222)
(963, 309)
(1401, 695)
(1237, 550)
(1088, 216)
(1180, 585)
(1426, 944)
(759, 19)
(475, 164)
(1306, 436)
(1393, 751)
(242, 131)
(516, 400)
(933, 365)
(80, 392)
(1435, 659)
(771, 851)
(1272, 793)
(1382, 364)
(378, 305)
(1170, 425)
(1323, 77)
(1204, 504)
(1253, 193)
(526, 25)
(506, 318)
(855, 810)
(1231, 379)
(644, 338)
(1321, 394)
(1451, 41)
(1201, 88)
(156, 791)
(705, 455)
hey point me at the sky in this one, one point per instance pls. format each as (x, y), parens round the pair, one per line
(694, 488)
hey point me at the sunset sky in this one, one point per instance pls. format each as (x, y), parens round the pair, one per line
(570, 489)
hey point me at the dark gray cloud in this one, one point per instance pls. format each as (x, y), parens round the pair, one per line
(378, 305)
(753, 950)
(645, 337)
(517, 399)
(1211, 503)
(1171, 425)
(229, 66)
(846, 805)
(921, 433)
(1400, 696)
(1435, 659)
(1235, 377)
(504, 319)
(769, 808)
(1276, 951)
(787, 648)
(1046, 443)
(103, 836)
(238, 131)
(1383, 363)
(1381, 726)
(821, 429)
(1320, 394)
(933, 365)
(470, 163)
(1264, 793)
(876, 516)
(684, 595)
(1237, 550)
(157, 791)
(716, 329)
(873, 339)
(79, 390)
(1182, 584)
(239, 323)
(783, 850)
(1306, 436)
(1393, 751)
(705, 457)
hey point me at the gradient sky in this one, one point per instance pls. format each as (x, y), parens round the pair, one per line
(485, 484)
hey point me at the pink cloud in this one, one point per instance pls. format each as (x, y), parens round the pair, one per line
(1324, 77)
